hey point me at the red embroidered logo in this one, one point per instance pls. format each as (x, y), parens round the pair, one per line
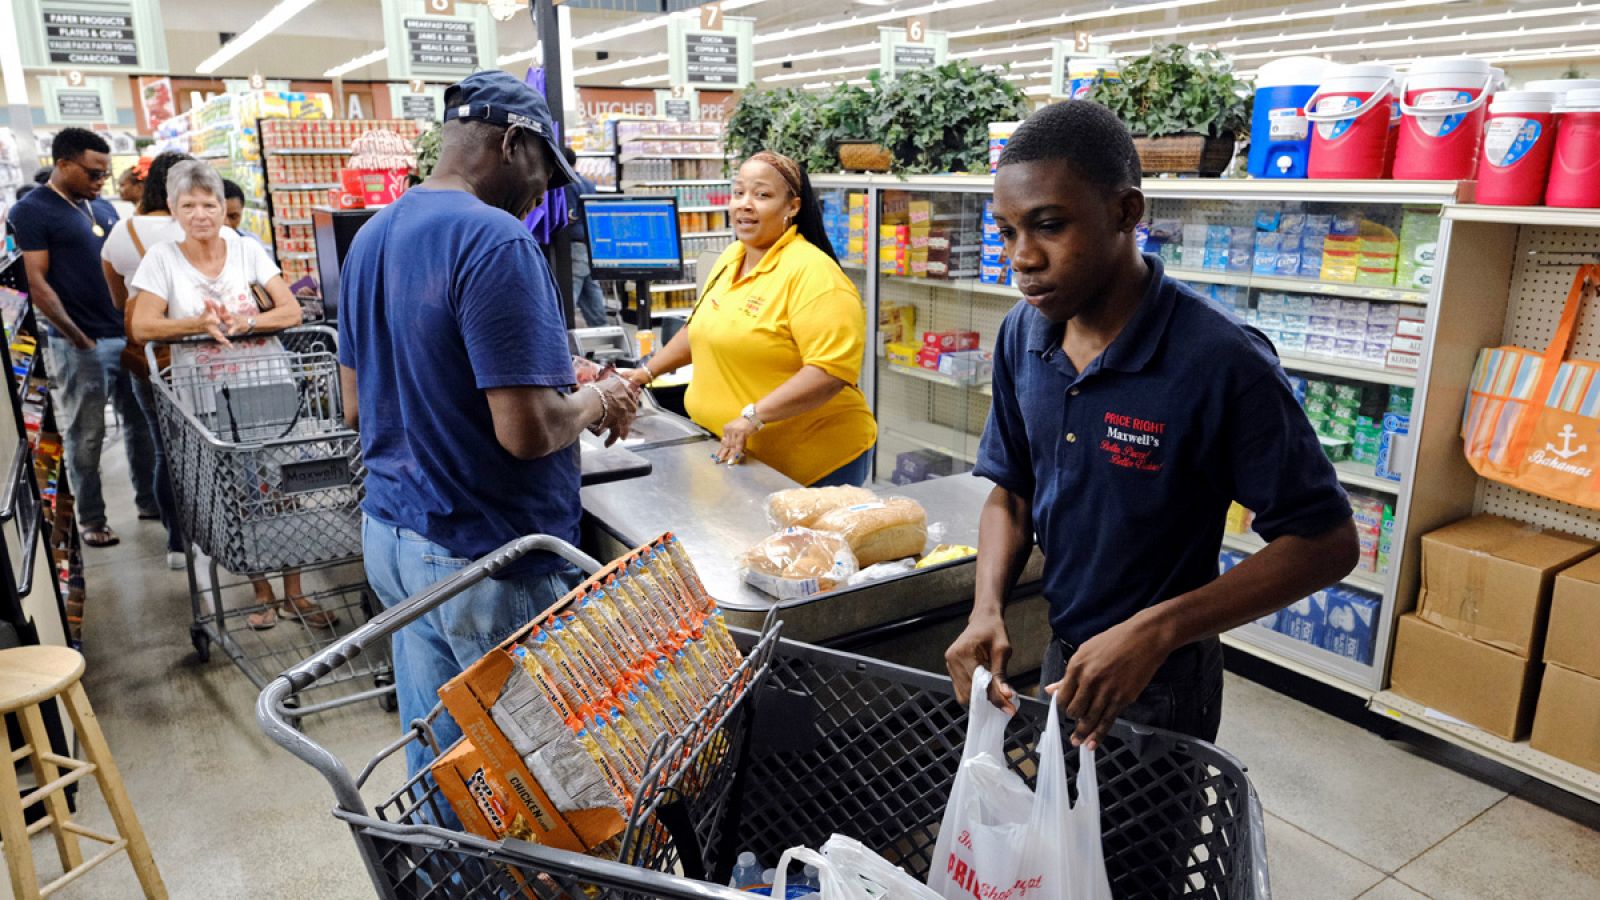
(1133, 443)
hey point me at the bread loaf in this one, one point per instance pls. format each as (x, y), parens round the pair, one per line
(798, 562)
(803, 506)
(881, 530)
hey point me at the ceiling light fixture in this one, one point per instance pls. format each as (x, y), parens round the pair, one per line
(620, 64)
(506, 59)
(1465, 37)
(1389, 27)
(267, 24)
(875, 18)
(360, 62)
(1113, 11)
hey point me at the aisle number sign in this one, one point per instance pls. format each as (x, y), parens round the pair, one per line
(679, 103)
(1063, 51)
(433, 38)
(114, 35)
(909, 48)
(716, 57)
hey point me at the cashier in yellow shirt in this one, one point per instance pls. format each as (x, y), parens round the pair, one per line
(777, 338)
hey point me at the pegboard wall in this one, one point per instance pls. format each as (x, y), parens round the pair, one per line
(1547, 258)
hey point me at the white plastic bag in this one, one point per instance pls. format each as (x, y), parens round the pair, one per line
(998, 838)
(848, 870)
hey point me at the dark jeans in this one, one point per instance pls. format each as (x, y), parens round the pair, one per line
(1184, 696)
(144, 392)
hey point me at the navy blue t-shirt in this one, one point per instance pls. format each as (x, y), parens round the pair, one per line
(44, 220)
(440, 298)
(1131, 465)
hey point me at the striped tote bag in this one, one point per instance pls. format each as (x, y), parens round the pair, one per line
(1533, 419)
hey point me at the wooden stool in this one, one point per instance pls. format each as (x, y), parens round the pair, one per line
(29, 677)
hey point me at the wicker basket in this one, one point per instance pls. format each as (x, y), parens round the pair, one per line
(1185, 154)
(864, 156)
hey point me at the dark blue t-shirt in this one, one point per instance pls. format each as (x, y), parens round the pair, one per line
(1131, 465)
(44, 220)
(440, 298)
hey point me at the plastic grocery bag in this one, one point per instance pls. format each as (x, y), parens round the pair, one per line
(848, 870)
(998, 838)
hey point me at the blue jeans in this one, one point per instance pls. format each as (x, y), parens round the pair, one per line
(81, 381)
(590, 301)
(144, 392)
(437, 647)
(854, 473)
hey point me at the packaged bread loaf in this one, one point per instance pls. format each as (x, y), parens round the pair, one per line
(880, 530)
(800, 507)
(798, 562)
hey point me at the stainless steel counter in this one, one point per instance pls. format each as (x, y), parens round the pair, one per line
(718, 512)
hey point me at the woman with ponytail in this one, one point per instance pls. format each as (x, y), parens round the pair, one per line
(777, 338)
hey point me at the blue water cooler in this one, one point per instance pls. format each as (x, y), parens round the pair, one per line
(1280, 136)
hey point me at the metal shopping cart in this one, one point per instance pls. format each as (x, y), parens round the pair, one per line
(834, 743)
(268, 477)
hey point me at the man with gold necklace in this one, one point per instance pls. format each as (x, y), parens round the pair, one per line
(61, 229)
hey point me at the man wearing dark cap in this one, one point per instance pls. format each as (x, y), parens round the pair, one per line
(454, 362)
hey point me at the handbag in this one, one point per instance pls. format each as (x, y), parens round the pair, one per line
(1533, 419)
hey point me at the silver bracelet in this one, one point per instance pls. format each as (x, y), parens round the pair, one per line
(605, 402)
(645, 365)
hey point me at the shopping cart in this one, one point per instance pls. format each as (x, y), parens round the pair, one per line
(268, 477)
(836, 743)
(676, 821)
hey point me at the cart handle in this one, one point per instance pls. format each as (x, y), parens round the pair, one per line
(270, 712)
(197, 339)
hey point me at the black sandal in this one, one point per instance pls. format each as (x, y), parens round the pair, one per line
(101, 537)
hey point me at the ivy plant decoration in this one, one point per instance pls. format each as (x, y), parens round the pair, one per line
(1175, 90)
(937, 119)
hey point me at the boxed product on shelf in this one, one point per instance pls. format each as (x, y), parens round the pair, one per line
(1482, 685)
(567, 709)
(913, 466)
(1566, 721)
(902, 353)
(1369, 513)
(897, 324)
(1489, 579)
(928, 357)
(950, 341)
(1575, 619)
(1350, 628)
(967, 366)
(1392, 444)
(1305, 619)
(1238, 520)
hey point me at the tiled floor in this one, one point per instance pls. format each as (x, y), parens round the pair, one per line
(231, 815)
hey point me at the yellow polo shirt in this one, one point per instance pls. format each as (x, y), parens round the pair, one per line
(749, 335)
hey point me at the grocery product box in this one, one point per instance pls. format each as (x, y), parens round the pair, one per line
(949, 341)
(491, 806)
(902, 353)
(1393, 441)
(919, 465)
(928, 358)
(1567, 722)
(1573, 639)
(1305, 619)
(1350, 628)
(1490, 579)
(1481, 685)
(897, 323)
(968, 366)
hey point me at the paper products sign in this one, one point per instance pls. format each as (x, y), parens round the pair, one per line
(124, 35)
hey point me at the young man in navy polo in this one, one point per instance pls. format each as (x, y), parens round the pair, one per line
(1128, 412)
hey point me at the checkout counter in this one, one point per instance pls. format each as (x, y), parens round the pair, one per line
(719, 511)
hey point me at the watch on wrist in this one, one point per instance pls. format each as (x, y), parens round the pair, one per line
(749, 412)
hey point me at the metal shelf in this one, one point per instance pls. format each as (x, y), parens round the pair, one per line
(1300, 285)
(309, 151)
(671, 313)
(928, 375)
(1360, 475)
(293, 222)
(671, 137)
(301, 187)
(703, 234)
(976, 287)
(1525, 215)
(628, 158)
(1514, 754)
(212, 154)
(1347, 370)
(1437, 193)
(1296, 656)
(702, 209)
(297, 256)
(674, 286)
(594, 154)
(1366, 581)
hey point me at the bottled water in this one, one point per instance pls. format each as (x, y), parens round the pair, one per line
(746, 871)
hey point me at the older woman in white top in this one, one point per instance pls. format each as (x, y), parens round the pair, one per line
(202, 286)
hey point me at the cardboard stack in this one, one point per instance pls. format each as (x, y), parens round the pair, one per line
(1473, 649)
(1567, 723)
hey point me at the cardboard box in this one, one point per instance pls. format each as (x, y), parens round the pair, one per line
(928, 358)
(1489, 579)
(1574, 633)
(1567, 724)
(1481, 685)
(950, 341)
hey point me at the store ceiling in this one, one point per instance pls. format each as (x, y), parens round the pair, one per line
(805, 43)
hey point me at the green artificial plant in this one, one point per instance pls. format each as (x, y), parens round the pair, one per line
(1174, 90)
(937, 119)
(427, 145)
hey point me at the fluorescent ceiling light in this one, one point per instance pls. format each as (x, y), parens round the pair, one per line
(645, 79)
(651, 23)
(506, 59)
(1283, 17)
(1465, 37)
(818, 73)
(1575, 9)
(620, 64)
(818, 54)
(267, 24)
(362, 61)
(1115, 10)
(873, 19)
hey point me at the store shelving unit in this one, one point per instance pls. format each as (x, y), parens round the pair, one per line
(921, 409)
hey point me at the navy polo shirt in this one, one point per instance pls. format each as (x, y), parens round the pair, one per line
(1131, 464)
(44, 220)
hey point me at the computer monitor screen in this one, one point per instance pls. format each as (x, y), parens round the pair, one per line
(633, 238)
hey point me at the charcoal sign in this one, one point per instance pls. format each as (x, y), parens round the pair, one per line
(442, 43)
(82, 36)
(713, 59)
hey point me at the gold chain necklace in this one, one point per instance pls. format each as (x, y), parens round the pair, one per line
(86, 213)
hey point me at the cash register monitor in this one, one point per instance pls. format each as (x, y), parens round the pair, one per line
(633, 238)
